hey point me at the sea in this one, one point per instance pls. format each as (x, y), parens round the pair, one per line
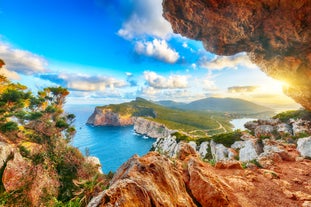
(112, 145)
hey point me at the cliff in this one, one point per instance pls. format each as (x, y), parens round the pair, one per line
(151, 128)
(106, 117)
(275, 34)
(155, 180)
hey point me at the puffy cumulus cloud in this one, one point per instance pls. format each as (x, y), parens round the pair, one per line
(221, 62)
(158, 49)
(242, 89)
(21, 61)
(9, 74)
(160, 82)
(82, 82)
(146, 18)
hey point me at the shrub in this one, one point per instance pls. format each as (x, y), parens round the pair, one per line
(293, 114)
(227, 139)
(9, 126)
(181, 137)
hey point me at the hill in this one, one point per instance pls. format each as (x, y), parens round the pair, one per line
(230, 105)
(192, 122)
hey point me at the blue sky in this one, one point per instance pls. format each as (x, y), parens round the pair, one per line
(113, 51)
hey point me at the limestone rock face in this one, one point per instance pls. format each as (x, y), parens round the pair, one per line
(304, 147)
(168, 146)
(151, 129)
(275, 34)
(250, 151)
(264, 131)
(106, 117)
(5, 152)
(151, 180)
(203, 149)
(219, 151)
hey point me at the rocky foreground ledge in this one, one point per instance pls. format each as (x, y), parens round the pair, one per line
(156, 180)
(269, 166)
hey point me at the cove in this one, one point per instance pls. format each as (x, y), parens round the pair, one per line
(112, 145)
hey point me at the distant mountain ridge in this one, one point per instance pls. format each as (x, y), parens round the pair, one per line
(231, 105)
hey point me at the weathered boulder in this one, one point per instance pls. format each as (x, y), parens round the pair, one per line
(238, 145)
(251, 125)
(275, 151)
(264, 131)
(18, 173)
(300, 127)
(206, 188)
(5, 152)
(167, 146)
(151, 180)
(250, 151)
(151, 129)
(219, 151)
(193, 145)
(275, 35)
(106, 117)
(284, 129)
(203, 149)
(304, 147)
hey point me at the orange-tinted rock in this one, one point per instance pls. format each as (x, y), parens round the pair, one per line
(151, 180)
(207, 188)
(275, 34)
(44, 185)
(35, 182)
(17, 174)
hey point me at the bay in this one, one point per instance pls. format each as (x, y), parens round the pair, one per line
(112, 145)
(239, 123)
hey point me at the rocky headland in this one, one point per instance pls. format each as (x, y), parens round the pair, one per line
(142, 125)
(106, 117)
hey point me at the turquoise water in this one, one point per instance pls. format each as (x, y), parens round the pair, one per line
(112, 145)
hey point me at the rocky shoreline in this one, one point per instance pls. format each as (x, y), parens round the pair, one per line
(142, 125)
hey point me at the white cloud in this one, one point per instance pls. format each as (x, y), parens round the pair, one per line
(9, 74)
(146, 18)
(160, 82)
(158, 49)
(83, 82)
(233, 62)
(21, 61)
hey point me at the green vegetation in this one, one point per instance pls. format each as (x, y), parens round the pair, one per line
(42, 131)
(227, 139)
(293, 114)
(192, 122)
